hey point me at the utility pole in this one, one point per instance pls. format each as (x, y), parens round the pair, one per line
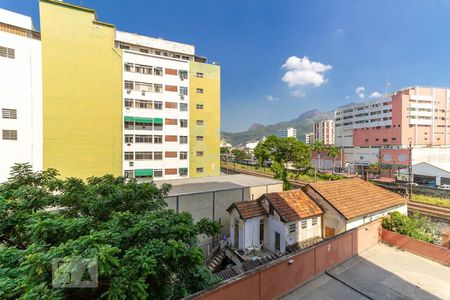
(410, 174)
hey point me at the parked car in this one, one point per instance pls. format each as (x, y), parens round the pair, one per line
(444, 187)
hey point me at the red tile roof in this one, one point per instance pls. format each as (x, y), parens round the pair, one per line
(248, 209)
(293, 205)
(356, 197)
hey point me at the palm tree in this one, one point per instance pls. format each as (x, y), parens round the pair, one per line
(318, 147)
(333, 152)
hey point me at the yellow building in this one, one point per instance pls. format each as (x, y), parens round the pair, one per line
(204, 116)
(82, 92)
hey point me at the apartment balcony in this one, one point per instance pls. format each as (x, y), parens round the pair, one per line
(421, 105)
(421, 98)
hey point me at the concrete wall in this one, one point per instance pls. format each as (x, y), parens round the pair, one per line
(353, 223)
(277, 278)
(82, 88)
(430, 251)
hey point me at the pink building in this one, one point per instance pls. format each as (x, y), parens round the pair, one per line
(324, 132)
(380, 130)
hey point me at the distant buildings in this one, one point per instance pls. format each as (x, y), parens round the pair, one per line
(309, 138)
(324, 132)
(379, 131)
(105, 101)
(288, 132)
(20, 93)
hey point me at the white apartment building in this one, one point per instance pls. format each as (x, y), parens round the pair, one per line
(324, 132)
(20, 93)
(309, 138)
(288, 132)
(156, 104)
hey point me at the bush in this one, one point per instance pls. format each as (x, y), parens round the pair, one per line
(418, 227)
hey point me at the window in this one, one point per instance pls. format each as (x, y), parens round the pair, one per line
(129, 103)
(183, 74)
(158, 88)
(128, 67)
(10, 135)
(142, 126)
(199, 91)
(157, 127)
(143, 87)
(199, 122)
(183, 155)
(183, 91)
(157, 173)
(157, 52)
(7, 52)
(124, 47)
(314, 221)
(129, 125)
(143, 50)
(128, 138)
(8, 113)
(183, 123)
(271, 210)
(129, 85)
(183, 107)
(199, 170)
(143, 155)
(199, 75)
(158, 155)
(158, 139)
(199, 153)
(199, 138)
(158, 105)
(183, 172)
(185, 57)
(277, 241)
(148, 139)
(143, 69)
(385, 140)
(183, 139)
(303, 223)
(199, 106)
(128, 174)
(128, 155)
(292, 228)
(158, 70)
(148, 104)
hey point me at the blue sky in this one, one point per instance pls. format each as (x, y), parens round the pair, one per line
(349, 44)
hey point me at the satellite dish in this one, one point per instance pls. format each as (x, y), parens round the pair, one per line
(290, 240)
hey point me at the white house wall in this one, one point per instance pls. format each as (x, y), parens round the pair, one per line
(302, 234)
(353, 223)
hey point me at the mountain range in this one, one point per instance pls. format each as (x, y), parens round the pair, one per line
(303, 124)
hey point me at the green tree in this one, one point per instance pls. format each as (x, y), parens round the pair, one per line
(333, 152)
(143, 249)
(374, 169)
(224, 150)
(416, 226)
(239, 154)
(283, 151)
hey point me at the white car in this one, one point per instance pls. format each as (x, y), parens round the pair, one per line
(444, 187)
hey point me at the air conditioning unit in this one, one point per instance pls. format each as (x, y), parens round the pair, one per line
(131, 163)
(143, 93)
(128, 145)
(128, 91)
(181, 97)
(127, 109)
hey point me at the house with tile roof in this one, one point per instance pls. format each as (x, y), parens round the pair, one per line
(275, 221)
(351, 203)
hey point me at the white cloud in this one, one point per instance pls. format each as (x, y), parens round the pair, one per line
(298, 93)
(302, 71)
(347, 97)
(375, 95)
(360, 91)
(271, 98)
(337, 32)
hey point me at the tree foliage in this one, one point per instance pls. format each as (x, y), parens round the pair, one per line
(416, 226)
(283, 151)
(239, 154)
(143, 249)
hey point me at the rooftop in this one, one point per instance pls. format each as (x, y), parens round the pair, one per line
(188, 186)
(355, 197)
(381, 272)
(249, 209)
(15, 19)
(293, 205)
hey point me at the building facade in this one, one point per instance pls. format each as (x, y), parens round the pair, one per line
(381, 130)
(20, 93)
(309, 138)
(288, 132)
(113, 102)
(324, 132)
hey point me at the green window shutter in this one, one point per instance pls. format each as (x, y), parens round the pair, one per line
(143, 172)
(143, 120)
(129, 119)
(158, 121)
